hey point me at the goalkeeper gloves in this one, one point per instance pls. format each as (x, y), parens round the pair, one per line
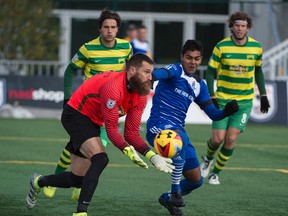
(264, 104)
(231, 108)
(161, 163)
(131, 153)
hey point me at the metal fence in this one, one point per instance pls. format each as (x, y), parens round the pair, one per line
(30, 68)
(46, 68)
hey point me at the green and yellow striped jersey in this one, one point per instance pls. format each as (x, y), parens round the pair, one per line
(236, 66)
(96, 58)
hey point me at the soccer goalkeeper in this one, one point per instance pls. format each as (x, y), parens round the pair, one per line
(104, 53)
(94, 103)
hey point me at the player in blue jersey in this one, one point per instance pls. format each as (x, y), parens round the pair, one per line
(179, 85)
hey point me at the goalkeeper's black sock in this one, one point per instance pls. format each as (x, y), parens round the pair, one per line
(61, 180)
(98, 164)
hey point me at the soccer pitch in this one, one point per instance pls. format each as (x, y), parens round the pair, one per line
(255, 181)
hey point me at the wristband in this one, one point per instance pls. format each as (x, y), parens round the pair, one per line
(150, 154)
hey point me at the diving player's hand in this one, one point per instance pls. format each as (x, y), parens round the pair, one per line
(161, 163)
(131, 153)
(264, 104)
(231, 108)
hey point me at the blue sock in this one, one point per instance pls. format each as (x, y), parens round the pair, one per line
(187, 187)
(176, 175)
(166, 196)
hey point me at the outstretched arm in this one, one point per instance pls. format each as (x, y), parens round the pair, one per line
(259, 78)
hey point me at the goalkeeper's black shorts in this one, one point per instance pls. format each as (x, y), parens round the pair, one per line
(79, 127)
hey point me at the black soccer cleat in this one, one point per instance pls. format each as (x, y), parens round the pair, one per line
(173, 210)
(176, 199)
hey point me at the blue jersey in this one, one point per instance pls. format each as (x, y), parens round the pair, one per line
(174, 93)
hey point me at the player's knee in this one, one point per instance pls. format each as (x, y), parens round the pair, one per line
(101, 159)
(76, 180)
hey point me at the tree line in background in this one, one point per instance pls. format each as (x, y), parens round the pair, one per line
(28, 30)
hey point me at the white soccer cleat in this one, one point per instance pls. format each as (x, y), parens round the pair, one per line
(205, 166)
(213, 179)
(34, 190)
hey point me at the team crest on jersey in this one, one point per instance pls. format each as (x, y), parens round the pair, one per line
(121, 60)
(75, 58)
(110, 104)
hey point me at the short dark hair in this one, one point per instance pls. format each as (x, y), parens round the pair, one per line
(239, 16)
(142, 27)
(192, 45)
(137, 59)
(109, 14)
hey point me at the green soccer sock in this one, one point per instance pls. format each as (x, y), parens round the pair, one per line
(211, 150)
(222, 158)
(64, 162)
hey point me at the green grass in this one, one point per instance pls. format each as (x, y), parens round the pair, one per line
(255, 181)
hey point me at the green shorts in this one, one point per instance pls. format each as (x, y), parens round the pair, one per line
(238, 120)
(103, 136)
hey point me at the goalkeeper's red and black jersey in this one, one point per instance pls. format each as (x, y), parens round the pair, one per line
(104, 98)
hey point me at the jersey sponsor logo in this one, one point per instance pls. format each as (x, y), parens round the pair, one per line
(110, 103)
(238, 69)
(2, 92)
(183, 93)
(96, 61)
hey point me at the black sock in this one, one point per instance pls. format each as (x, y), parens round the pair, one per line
(90, 181)
(61, 180)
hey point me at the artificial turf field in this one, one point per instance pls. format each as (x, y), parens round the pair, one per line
(255, 181)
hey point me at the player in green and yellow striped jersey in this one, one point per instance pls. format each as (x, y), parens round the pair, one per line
(104, 53)
(237, 61)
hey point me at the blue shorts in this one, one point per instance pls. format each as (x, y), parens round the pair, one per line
(190, 156)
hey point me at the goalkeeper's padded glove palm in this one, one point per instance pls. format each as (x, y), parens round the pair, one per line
(231, 108)
(264, 104)
(161, 163)
(131, 153)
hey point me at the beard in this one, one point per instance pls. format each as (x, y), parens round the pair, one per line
(142, 88)
(238, 38)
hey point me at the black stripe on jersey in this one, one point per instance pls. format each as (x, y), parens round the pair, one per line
(168, 72)
(205, 103)
(85, 99)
